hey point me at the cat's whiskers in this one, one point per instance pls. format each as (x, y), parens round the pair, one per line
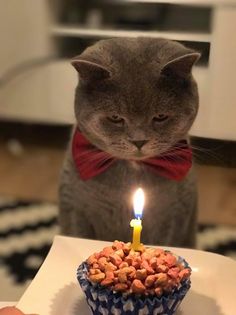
(102, 156)
(99, 159)
(171, 165)
(199, 156)
(85, 152)
(174, 157)
(96, 156)
(210, 152)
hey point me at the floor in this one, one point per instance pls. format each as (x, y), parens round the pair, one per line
(31, 171)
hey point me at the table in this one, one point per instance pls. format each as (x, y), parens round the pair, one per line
(3, 304)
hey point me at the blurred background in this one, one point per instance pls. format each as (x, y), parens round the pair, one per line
(37, 83)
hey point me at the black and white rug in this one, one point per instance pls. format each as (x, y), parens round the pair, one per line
(26, 234)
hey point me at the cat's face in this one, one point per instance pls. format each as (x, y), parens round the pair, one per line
(135, 110)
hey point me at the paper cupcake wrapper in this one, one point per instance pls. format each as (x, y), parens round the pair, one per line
(103, 301)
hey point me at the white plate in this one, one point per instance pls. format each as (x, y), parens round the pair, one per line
(55, 291)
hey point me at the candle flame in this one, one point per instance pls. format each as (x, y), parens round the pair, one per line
(138, 202)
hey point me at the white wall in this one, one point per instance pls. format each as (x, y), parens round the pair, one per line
(46, 94)
(24, 31)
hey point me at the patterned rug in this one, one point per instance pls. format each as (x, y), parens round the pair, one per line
(27, 230)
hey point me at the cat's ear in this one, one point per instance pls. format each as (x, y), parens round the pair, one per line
(181, 66)
(90, 71)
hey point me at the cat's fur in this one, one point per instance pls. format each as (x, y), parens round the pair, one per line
(135, 79)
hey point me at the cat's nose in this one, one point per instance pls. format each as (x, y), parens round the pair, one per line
(140, 143)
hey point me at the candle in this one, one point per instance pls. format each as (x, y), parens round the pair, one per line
(136, 223)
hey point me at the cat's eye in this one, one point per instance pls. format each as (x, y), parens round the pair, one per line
(116, 119)
(160, 118)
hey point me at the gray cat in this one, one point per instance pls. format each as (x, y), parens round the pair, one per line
(136, 99)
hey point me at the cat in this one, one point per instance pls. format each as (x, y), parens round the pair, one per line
(136, 98)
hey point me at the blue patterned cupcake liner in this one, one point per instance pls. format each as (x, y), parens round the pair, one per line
(104, 301)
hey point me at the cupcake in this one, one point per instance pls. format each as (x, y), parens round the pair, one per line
(119, 280)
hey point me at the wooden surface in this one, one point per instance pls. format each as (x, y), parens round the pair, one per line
(34, 174)
(217, 194)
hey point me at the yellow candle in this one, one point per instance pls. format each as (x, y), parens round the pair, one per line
(136, 224)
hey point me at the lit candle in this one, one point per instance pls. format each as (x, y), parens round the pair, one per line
(136, 223)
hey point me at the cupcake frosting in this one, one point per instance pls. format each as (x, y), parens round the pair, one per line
(152, 271)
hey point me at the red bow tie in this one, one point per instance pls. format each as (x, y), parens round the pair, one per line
(91, 161)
